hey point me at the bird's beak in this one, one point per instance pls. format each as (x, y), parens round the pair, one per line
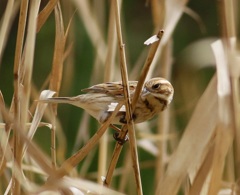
(145, 92)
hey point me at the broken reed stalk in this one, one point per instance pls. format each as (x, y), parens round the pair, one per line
(73, 161)
(146, 67)
(138, 90)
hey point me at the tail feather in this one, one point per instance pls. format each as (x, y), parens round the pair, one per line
(57, 100)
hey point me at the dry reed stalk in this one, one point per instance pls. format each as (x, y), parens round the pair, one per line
(22, 103)
(18, 58)
(123, 133)
(45, 13)
(227, 60)
(130, 125)
(158, 14)
(9, 15)
(108, 75)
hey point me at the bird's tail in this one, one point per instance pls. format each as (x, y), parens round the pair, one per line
(57, 100)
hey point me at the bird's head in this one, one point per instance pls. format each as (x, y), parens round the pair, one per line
(159, 88)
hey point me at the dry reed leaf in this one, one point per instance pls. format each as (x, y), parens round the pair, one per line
(22, 95)
(28, 61)
(56, 73)
(200, 178)
(78, 186)
(92, 27)
(7, 19)
(223, 88)
(224, 131)
(57, 65)
(197, 18)
(174, 10)
(38, 115)
(224, 139)
(6, 151)
(44, 14)
(194, 143)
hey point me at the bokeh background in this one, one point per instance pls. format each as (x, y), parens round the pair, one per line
(191, 65)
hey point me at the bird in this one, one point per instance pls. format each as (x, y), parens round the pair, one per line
(100, 100)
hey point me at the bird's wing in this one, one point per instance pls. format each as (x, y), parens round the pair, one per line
(111, 88)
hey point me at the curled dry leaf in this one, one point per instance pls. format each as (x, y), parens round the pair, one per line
(38, 114)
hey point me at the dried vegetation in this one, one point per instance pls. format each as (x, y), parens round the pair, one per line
(37, 152)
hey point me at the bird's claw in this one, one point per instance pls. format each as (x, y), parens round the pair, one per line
(120, 140)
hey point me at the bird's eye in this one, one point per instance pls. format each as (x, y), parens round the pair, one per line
(155, 86)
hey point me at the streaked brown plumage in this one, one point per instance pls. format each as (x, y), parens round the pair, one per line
(101, 100)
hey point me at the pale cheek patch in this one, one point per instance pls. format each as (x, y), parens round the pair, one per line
(113, 105)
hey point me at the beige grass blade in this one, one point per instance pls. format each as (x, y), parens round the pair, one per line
(24, 99)
(203, 173)
(76, 186)
(224, 131)
(224, 139)
(57, 71)
(38, 116)
(92, 28)
(9, 14)
(44, 14)
(192, 147)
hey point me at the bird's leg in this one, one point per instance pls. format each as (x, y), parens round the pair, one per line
(115, 128)
(119, 140)
(116, 135)
(123, 119)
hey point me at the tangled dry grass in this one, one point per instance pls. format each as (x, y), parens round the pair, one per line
(192, 148)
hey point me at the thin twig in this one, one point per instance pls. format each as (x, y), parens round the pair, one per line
(146, 68)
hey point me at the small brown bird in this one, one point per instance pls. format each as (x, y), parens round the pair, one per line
(101, 100)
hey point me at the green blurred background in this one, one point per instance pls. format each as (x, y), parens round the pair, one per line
(137, 27)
